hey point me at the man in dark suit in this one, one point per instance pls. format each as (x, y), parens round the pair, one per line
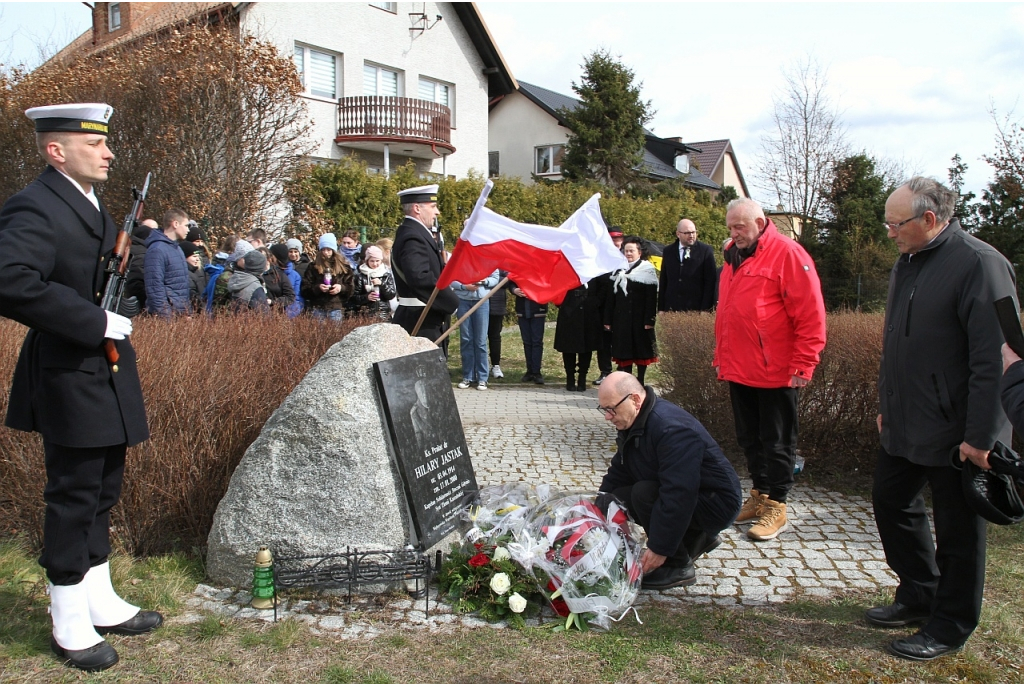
(417, 260)
(688, 273)
(55, 241)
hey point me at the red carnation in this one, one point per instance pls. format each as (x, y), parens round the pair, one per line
(479, 560)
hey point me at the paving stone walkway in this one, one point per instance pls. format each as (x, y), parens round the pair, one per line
(548, 435)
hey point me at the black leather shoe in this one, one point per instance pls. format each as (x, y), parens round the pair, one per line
(99, 657)
(665, 577)
(538, 379)
(527, 378)
(705, 544)
(142, 622)
(597, 381)
(896, 615)
(921, 647)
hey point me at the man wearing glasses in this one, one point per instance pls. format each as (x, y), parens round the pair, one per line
(938, 391)
(672, 477)
(688, 273)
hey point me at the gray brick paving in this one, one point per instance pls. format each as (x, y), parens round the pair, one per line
(548, 435)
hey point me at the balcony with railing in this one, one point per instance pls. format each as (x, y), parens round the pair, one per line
(417, 128)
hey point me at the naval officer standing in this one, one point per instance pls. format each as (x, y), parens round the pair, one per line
(55, 240)
(417, 260)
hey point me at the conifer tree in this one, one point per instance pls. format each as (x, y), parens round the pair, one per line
(607, 139)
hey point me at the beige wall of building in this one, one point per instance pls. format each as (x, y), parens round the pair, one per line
(517, 126)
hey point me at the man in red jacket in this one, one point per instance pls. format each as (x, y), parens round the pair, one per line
(769, 333)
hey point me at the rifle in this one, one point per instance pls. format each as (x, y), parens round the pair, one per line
(117, 269)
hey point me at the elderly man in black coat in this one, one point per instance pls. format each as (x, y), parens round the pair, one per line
(55, 240)
(672, 477)
(688, 273)
(417, 260)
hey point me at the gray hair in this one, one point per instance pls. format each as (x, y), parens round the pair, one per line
(932, 196)
(746, 204)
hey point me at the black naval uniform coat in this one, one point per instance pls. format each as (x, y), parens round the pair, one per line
(416, 262)
(54, 246)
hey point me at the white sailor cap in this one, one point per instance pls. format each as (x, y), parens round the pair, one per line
(82, 117)
(421, 194)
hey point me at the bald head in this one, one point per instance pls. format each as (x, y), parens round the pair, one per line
(686, 231)
(620, 397)
(745, 220)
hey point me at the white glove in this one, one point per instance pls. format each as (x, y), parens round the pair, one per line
(118, 327)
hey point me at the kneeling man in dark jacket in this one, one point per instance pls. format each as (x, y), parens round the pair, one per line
(672, 476)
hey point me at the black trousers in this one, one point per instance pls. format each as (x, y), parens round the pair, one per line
(949, 576)
(604, 353)
(711, 516)
(494, 326)
(532, 330)
(82, 485)
(766, 428)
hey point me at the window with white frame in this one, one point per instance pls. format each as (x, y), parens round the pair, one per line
(387, 6)
(114, 16)
(439, 92)
(549, 159)
(319, 71)
(379, 80)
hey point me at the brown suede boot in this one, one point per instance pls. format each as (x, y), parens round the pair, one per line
(772, 522)
(751, 509)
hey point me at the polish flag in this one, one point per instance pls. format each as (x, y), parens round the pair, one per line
(544, 262)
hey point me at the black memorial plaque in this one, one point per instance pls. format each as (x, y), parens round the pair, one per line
(429, 444)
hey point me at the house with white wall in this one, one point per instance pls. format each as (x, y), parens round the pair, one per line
(528, 135)
(386, 82)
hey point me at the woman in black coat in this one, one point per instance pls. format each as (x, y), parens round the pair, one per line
(632, 311)
(577, 334)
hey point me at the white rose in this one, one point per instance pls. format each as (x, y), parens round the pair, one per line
(500, 583)
(517, 603)
(501, 553)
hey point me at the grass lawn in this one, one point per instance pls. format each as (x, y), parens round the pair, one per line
(801, 641)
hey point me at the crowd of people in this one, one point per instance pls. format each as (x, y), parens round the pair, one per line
(174, 272)
(76, 381)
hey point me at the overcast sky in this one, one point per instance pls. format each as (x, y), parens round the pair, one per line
(915, 82)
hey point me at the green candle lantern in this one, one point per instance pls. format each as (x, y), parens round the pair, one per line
(263, 580)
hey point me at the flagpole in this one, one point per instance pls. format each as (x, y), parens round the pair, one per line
(472, 309)
(423, 314)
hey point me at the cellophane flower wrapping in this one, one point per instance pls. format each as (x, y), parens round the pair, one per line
(594, 558)
(500, 510)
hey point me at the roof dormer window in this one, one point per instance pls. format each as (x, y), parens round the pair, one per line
(682, 163)
(114, 16)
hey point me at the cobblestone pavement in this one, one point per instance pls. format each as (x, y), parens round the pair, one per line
(548, 435)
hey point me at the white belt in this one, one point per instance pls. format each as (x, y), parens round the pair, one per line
(410, 302)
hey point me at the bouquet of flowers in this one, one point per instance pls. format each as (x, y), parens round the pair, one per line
(591, 561)
(483, 578)
(499, 510)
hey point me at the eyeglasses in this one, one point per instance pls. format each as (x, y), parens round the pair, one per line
(896, 227)
(610, 411)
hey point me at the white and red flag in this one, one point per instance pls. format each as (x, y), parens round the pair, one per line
(544, 262)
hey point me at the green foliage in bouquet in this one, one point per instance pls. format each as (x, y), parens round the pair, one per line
(483, 578)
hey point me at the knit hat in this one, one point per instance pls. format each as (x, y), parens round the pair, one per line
(255, 263)
(195, 233)
(189, 248)
(280, 253)
(242, 248)
(294, 244)
(328, 240)
(373, 251)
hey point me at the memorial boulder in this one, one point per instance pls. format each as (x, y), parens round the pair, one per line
(320, 476)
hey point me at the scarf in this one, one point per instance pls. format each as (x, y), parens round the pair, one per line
(640, 271)
(351, 253)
